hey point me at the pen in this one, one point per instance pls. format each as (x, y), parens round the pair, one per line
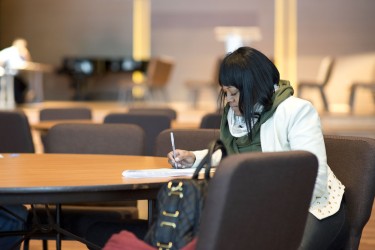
(173, 147)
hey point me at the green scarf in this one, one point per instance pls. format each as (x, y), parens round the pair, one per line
(243, 144)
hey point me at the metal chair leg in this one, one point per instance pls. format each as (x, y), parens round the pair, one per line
(353, 89)
(324, 99)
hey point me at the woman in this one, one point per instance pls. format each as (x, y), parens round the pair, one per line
(261, 114)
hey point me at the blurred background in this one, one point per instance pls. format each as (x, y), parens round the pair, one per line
(185, 31)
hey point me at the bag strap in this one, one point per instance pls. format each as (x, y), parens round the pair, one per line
(207, 160)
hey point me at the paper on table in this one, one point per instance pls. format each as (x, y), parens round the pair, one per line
(161, 172)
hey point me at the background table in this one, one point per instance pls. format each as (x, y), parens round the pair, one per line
(35, 77)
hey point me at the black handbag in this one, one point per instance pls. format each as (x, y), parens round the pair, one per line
(179, 206)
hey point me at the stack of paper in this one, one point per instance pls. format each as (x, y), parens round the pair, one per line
(161, 172)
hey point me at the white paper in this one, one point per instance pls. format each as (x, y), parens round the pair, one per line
(159, 173)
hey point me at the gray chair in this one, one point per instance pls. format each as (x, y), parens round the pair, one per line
(352, 159)
(324, 75)
(258, 201)
(188, 139)
(73, 113)
(211, 120)
(152, 124)
(116, 139)
(48, 114)
(149, 110)
(15, 133)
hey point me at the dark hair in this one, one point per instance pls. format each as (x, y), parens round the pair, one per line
(254, 75)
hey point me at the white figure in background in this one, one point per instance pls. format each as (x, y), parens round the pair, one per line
(16, 55)
(11, 59)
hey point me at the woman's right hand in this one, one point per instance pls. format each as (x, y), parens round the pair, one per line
(183, 159)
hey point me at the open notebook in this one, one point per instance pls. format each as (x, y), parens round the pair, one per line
(161, 172)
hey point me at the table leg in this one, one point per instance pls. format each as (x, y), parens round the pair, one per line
(58, 234)
(60, 231)
(36, 85)
(8, 94)
(10, 103)
(151, 208)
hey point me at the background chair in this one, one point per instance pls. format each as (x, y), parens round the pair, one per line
(196, 86)
(50, 114)
(211, 120)
(189, 139)
(65, 114)
(15, 133)
(258, 201)
(158, 73)
(324, 75)
(116, 139)
(360, 85)
(152, 124)
(145, 110)
(352, 159)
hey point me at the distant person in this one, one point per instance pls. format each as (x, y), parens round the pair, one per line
(12, 58)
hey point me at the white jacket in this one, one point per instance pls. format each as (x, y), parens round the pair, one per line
(295, 125)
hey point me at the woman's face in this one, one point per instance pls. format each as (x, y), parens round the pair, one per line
(232, 95)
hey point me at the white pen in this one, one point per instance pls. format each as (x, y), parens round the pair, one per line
(173, 147)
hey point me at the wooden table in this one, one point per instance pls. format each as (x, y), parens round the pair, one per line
(63, 178)
(66, 178)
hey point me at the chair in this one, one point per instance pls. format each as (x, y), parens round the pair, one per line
(115, 139)
(144, 110)
(211, 120)
(15, 133)
(258, 201)
(188, 139)
(152, 124)
(50, 114)
(360, 85)
(352, 159)
(65, 114)
(324, 75)
(158, 73)
(196, 86)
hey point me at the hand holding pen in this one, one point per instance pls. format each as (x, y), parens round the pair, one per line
(180, 158)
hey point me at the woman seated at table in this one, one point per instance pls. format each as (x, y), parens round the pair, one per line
(261, 114)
